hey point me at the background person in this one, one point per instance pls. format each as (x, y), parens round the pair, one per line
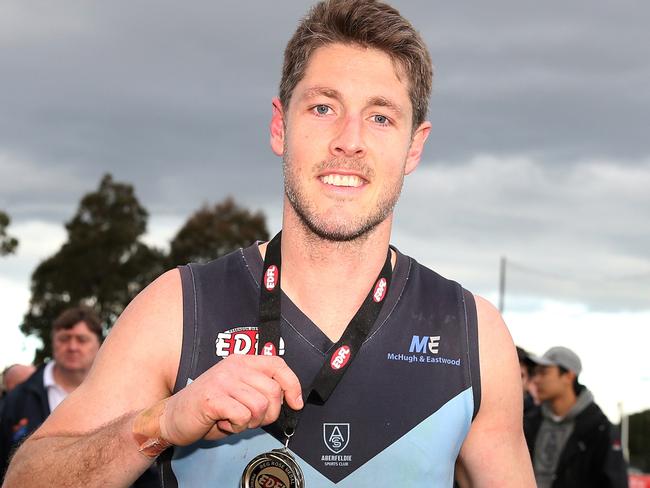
(12, 376)
(16, 374)
(527, 368)
(76, 337)
(571, 441)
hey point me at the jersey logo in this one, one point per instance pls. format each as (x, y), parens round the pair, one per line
(336, 436)
(271, 277)
(380, 290)
(421, 344)
(242, 340)
(268, 349)
(340, 357)
(268, 480)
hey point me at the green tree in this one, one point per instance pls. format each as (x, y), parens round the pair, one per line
(639, 442)
(214, 231)
(8, 244)
(103, 263)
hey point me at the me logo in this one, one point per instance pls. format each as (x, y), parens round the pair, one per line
(421, 344)
(336, 436)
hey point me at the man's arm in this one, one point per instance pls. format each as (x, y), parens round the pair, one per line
(89, 439)
(611, 464)
(494, 453)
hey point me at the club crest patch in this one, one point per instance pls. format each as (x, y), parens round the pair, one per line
(336, 436)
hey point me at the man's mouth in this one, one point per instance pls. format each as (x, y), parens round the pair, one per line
(342, 180)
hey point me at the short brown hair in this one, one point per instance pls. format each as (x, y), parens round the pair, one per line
(367, 23)
(72, 316)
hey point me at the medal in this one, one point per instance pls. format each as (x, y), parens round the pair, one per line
(275, 469)
(278, 468)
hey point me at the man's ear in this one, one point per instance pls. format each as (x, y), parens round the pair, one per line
(277, 128)
(417, 146)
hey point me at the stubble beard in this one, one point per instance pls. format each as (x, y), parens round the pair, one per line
(351, 230)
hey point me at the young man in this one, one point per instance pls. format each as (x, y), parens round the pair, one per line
(375, 358)
(570, 440)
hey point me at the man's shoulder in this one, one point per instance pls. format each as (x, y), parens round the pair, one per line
(593, 417)
(423, 274)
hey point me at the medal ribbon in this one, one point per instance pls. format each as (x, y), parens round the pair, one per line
(344, 351)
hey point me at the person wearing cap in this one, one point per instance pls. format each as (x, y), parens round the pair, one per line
(571, 441)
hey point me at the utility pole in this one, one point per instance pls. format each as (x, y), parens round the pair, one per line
(502, 284)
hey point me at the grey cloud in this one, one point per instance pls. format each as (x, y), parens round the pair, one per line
(175, 98)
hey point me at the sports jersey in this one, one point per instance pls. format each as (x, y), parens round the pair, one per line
(400, 413)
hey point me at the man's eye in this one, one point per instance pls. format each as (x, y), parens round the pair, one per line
(381, 119)
(322, 109)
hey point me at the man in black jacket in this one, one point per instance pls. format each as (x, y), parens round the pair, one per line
(571, 441)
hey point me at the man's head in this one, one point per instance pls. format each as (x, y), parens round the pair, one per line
(16, 374)
(76, 337)
(556, 373)
(369, 24)
(526, 366)
(349, 122)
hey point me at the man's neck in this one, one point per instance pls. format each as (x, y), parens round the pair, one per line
(66, 379)
(561, 405)
(329, 280)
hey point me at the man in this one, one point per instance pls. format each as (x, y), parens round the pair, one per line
(571, 442)
(393, 406)
(76, 337)
(12, 376)
(16, 374)
(527, 368)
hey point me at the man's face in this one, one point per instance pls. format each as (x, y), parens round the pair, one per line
(551, 383)
(75, 348)
(525, 378)
(347, 141)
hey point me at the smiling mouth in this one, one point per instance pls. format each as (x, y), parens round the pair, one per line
(351, 181)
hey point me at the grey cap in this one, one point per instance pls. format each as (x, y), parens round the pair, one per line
(560, 356)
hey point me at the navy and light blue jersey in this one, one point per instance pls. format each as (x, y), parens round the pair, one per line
(397, 418)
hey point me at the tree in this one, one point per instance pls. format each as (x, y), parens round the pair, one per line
(102, 264)
(214, 231)
(639, 443)
(8, 244)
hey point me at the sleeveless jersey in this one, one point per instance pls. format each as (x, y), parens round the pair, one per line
(397, 418)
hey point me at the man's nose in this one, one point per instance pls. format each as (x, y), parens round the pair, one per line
(349, 141)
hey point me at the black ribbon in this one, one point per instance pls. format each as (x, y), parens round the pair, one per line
(344, 351)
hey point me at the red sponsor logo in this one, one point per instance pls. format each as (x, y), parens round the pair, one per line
(271, 277)
(241, 340)
(269, 481)
(380, 290)
(340, 357)
(268, 349)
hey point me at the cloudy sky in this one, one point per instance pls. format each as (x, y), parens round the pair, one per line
(539, 150)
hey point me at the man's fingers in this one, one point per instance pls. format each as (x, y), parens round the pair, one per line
(290, 385)
(255, 401)
(271, 390)
(232, 414)
(277, 369)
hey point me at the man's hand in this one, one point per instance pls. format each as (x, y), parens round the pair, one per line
(238, 393)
